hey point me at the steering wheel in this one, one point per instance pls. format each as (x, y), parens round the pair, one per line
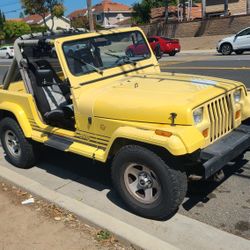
(123, 58)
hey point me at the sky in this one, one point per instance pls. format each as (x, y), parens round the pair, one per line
(12, 8)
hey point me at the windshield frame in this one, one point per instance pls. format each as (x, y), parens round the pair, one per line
(103, 69)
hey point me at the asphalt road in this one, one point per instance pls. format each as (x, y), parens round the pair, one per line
(4, 65)
(225, 205)
(233, 67)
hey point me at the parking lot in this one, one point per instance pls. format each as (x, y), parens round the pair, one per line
(225, 205)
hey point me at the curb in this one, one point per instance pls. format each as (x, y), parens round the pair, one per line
(120, 229)
(202, 51)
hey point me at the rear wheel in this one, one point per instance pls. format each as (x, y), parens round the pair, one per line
(172, 53)
(147, 185)
(239, 52)
(226, 49)
(19, 151)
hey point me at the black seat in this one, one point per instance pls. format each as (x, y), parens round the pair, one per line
(53, 105)
(44, 64)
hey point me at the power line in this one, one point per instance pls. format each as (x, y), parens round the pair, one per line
(11, 11)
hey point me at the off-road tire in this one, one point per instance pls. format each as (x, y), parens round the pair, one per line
(226, 49)
(172, 186)
(183, 185)
(27, 156)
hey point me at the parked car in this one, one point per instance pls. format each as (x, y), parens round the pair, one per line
(237, 43)
(167, 45)
(156, 128)
(7, 52)
(137, 49)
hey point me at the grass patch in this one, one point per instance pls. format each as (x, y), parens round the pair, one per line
(103, 235)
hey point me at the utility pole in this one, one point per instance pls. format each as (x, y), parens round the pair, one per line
(225, 7)
(203, 6)
(166, 11)
(248, 7)
(184, 10)
(90, 16)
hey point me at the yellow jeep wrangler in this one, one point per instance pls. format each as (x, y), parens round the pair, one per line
(102, 95)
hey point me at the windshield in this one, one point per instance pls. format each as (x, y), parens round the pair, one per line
(105, 51)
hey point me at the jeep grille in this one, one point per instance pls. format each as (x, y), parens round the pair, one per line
(220, 113)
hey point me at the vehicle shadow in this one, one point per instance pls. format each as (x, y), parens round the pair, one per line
(98, 176)
(82, 170)
(201, 191)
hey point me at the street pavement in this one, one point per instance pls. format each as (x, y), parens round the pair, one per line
(224, 205)
(235, 67)
(4, 65)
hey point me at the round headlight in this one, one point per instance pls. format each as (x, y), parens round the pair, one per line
(237, 96)
(198, 115)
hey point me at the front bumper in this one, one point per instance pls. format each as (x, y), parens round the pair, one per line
(217, 155)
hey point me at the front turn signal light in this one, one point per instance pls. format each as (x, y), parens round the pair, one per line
(237, 114)
(163, 133)
(205, 132)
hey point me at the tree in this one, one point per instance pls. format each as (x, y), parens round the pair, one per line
(44, 7)
(142, 11)
(90, 15)
(13, 29)
(80, 22)
(21, 15)
(2, 22)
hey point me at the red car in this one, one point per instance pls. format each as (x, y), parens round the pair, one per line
(140, 48)
(167, 45)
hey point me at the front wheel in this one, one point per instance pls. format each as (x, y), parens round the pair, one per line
(148, 186)
(226, 49)
(8, 56)
(19, 151)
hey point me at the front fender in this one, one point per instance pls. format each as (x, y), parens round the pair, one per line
(20, 115)
(184, 139)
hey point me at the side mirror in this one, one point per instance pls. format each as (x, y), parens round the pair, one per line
(158, 53)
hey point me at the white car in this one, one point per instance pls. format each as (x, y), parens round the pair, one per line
(237, 43)
(7, 51)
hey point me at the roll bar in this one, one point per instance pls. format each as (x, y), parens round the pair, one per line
(29, 40)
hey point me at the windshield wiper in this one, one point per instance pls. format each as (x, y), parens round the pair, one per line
(88, 64)
(125, 58)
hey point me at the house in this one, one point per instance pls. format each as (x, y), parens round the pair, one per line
(59, 23)
(216, 7)
(77, 14)
(109, 13)
(175, 13)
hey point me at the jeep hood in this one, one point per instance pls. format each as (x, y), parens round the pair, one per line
(153, 97)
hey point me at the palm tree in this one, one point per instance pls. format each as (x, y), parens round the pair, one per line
(90, 16)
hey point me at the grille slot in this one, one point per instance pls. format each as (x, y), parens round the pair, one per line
(221, 116)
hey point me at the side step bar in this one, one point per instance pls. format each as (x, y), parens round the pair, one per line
(58, 142)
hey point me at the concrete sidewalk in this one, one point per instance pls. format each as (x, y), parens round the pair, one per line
(199, 51)
(96, 203)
